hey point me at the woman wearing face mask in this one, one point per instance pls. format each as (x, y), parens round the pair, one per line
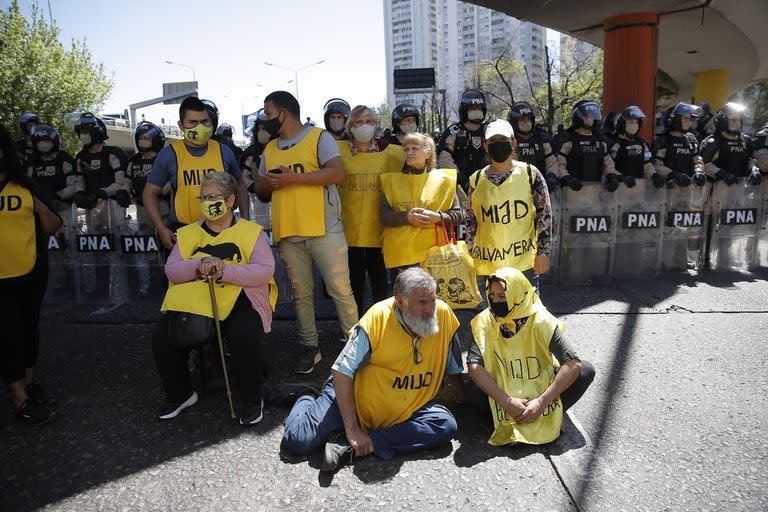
(509, 217)
(25, 224)
(414, 202)
(365, 158)
(236, 253)
(511, 367)
(630, 152)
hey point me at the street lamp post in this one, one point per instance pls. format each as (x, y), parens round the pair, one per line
(194, 77)
(295, 72)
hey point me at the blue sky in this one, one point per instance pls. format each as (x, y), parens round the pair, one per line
(227, 43)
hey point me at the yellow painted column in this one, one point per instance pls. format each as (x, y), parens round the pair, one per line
(712, 87)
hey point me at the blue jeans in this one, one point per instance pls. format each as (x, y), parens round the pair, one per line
(312, 421)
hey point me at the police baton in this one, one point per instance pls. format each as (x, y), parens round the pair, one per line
(221, 344)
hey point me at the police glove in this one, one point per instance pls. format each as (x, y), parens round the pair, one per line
(612, 182)
(101, 194)
(681, 179)
(755, 178)
(85, 200)
(123, 198)
(629, 181)
(139, 200)
(729, 179)
(658, 180)
(571, 181)
(700, 179)
(552, 182)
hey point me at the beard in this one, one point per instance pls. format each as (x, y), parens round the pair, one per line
(424, 325)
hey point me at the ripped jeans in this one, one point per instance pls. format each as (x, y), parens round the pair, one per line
(329, 253)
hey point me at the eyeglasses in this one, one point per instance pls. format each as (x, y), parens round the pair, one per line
(417, 357)
(191, 124)
(210, 197)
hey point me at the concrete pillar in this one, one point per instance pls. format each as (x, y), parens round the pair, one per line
(712, 87)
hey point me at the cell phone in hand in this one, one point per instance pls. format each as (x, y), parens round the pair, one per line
(276, 171)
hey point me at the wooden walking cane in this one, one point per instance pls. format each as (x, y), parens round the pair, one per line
(221, 344)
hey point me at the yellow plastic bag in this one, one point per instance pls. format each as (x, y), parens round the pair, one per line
(452, 266)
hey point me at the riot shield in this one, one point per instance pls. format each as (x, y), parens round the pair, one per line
(639, 224)
(141, 256)
(587, 235)
(762, 243)
(683, 243)
(556, 199)
(60, 274)
(735, 226)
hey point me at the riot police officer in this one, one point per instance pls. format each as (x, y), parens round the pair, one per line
(51, 168)
(534, 145)
(461, 144)
(405, 120)
(251, 157)
(101, 167)
(335, 114)
(224, 135)
(703, 124)
(728, 154)
(631, 154)
(582, 153)
(676, 151)
(608, 129)
(24, 145)
(149, 140)
(761, 148)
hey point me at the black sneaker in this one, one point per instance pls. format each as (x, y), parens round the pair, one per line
(33, 412)
(170, 410)
(337, 453)
(38, 393)
(251, 414)
(287, 394)
(308, 361)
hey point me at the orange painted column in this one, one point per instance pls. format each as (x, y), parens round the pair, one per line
(630, 65)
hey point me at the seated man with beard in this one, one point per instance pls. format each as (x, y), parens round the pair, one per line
(379, 397)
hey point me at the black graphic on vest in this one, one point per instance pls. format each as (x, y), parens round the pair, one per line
(227, 251)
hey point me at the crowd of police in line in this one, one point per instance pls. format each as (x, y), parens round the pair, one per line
(355, 206)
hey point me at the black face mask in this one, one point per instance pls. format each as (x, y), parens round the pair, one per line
(500, 151)
(499, 309)
(272, 126)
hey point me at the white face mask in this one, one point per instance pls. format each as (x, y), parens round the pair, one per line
(631, 127)
(145, 144)
(407, 128)
(734, 125)
(363, 133)
(524, 126)
(85, 139)
(262, 136)
(45, 146)
(475, 114)
(336, 124)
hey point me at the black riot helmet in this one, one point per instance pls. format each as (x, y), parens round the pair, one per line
(673, 120)
(95, 127)
(335, 106)
(706, 108)
(730, 110)
(253, 121)
(609, 126)
(151, 130)
(471, 99)
(213, 113)
(225, 130)
(518, 111)
(44, 132)
(586, 108)
(631, 112)
(401, 112)
(25, 119)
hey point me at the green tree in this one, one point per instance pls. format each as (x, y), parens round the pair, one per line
(38, 74)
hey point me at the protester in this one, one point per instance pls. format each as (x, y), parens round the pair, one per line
(237, 255)
(25, 224)
(379, 398)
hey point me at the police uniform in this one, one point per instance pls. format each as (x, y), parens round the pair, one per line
(675, 153)
(584, 157)
(51, 176)
(102, 169)
(632, 157)
(723, 155)
(468, 154)
(536, 149)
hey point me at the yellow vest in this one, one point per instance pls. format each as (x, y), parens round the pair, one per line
(506, 233)
(434, 190)
(361, 192)
(233, 245)
(297, 210)
(527, 371)
(189, 175)
(17, 230)
(391, 386)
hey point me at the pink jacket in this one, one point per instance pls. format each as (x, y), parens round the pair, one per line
(253, 277)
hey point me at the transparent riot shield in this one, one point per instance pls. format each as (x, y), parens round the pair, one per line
(60, 274)
(762, 243)
(587, 235)
(99, 275)
(735, 226)
(683, 243)
(639, 224)
(556, 199)
(142, 256)
(261, 213)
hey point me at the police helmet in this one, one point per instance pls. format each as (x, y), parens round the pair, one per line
(151, 130)
(225, 130)
(586, 108)
(609, 125)
(471, 99)
(25, 119)
(95, 127)
(44, 132)
(730, 110)
(673, 120)
(518, 111)
(629, 113)
(401, 112)
(213, 113)
(253, 121)
(335, 106)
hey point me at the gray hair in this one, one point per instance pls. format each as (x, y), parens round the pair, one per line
(225, 181)
(413, 278)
